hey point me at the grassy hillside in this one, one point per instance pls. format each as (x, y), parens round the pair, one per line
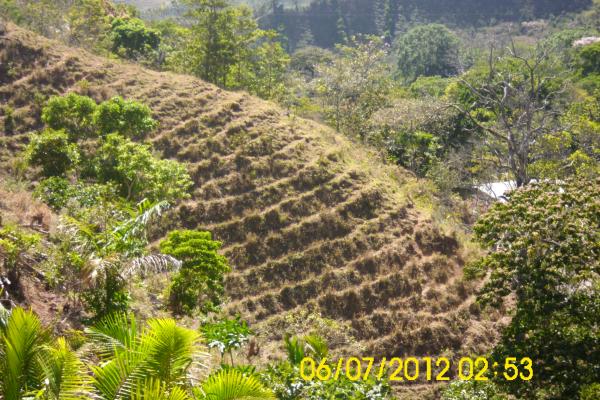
(310, 221)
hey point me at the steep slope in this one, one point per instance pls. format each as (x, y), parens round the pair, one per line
(309, 220)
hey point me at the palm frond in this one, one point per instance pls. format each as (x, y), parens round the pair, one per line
(114, 333)
(152, 389)
(173, 352)
(145, 213)
(64, 374)
(151, 264)
(233, 385)
(21, 343)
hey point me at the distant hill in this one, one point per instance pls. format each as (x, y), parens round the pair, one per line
(309, 220)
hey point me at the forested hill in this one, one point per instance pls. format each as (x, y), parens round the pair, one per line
(327, 22)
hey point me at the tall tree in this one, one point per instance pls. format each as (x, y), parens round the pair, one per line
(515, 101)
(544, 251)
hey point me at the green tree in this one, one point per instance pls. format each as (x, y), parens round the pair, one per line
(199, 283)
(132, 38)
(428, 50)
(139, 174)
(52, 151)
(589, 59)
(515, 101)
(127, 117)
(544, 248)
(574, 151)
(354, 86)
(88, 24)
(212, 49)
(73, 113)
(266, 67)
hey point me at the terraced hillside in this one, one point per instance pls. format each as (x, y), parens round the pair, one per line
(309, 220)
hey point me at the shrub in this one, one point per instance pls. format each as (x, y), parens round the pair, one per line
(227, 335)
(199, 283)
(72, 113)
(127, 117)
(9, 121)
(137, 173)
(52, 151)
(57, 192)
(472, 390)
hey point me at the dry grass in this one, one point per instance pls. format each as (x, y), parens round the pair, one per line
(309, 220)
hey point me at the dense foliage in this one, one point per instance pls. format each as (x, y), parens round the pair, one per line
(545, 249)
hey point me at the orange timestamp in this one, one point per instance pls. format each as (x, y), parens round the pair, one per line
(412, 368)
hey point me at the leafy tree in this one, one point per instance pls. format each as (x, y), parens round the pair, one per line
(15, 246)
(132, 37)
(199, 283)
(53, 152)
(72, 113)
(354, 86)
(574, 151)
(127, 117)
(88, 24)
(428, 50)
(59, 192)
(263, 74)
(306, 59)
(544, 245)
(589, 59)
(515, 101)
(140, 175)
(216, 29)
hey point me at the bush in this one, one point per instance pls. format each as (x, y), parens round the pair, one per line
(138, 173)
(199, 283)
(52, 151)
(72, 113)
(9, 121)
(590, 392)
(472, 390)
(126, 117)
(57, 192)
(589, 59)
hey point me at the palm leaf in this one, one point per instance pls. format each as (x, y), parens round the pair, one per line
(173, 352)
(155, 390)
(114, 333)
(152, 264)
(21, 342)
(233, 385)
(65, 375)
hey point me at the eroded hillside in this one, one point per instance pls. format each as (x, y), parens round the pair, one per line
(309, 220)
